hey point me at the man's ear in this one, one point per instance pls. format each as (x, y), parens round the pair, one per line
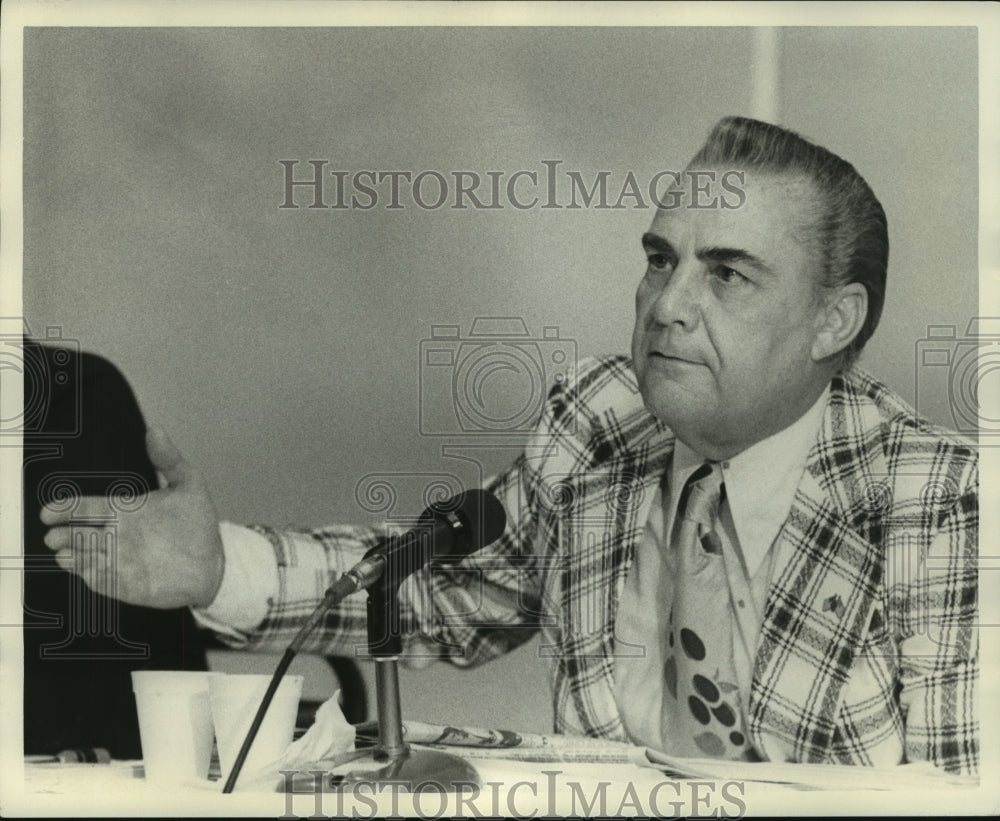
(841, 317)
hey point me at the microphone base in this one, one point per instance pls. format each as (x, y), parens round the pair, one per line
(416, 770)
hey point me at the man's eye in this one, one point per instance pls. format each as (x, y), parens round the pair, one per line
(658, 261)
(730, 275)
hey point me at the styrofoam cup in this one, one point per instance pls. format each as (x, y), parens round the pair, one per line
(235, 698)
(175, 724)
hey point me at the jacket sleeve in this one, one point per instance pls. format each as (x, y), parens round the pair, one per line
(939, 658)
(479, 608)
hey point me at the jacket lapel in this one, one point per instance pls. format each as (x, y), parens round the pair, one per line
(825, 587)
(627, 453)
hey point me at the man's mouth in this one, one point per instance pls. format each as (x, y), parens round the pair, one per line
(671, 357)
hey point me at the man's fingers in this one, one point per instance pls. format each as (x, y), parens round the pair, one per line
(166, 458)
(66, 538)
(59, 539)
(91, 562)
(64, 511)
(64, 558)
(56, 515)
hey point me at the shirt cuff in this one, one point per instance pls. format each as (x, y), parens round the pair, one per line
(249, 583)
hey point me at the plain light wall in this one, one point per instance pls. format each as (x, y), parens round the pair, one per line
(901, 104)
(281, 348)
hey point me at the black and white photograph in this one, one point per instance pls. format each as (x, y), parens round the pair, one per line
(478, 409)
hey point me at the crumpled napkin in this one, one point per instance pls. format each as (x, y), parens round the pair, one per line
(329, 736)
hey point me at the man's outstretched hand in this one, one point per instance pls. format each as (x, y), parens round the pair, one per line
(165, 552)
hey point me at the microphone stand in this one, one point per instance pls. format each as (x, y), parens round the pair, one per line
(400, 765)
(381, 572)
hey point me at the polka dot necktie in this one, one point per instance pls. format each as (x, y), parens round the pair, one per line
(701, 715)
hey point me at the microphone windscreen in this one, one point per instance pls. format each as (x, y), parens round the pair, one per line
(482, 516)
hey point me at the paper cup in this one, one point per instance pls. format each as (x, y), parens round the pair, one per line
(235, 699)
(175, 724)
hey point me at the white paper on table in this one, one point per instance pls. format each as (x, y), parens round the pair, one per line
(329, 736)
(916, 775)
(507, 745)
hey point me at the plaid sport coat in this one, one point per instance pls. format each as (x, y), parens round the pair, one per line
(868, 651)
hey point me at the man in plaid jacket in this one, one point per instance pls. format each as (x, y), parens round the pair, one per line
(749, 318)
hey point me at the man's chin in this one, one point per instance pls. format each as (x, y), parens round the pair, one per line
(671, 383)
(676, 408)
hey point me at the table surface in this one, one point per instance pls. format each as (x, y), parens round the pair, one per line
(508, 788)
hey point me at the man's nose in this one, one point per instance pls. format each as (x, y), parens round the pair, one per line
(678, 299)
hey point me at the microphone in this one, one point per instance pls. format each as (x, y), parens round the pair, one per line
(445, 532)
